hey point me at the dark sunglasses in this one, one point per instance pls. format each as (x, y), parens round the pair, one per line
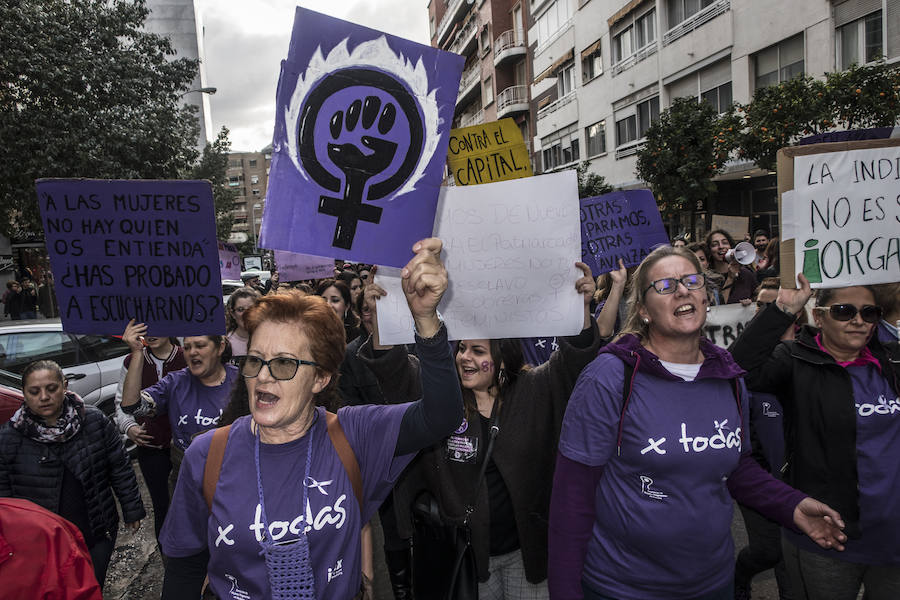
(280, 368)
(846, 312)
(695, 281)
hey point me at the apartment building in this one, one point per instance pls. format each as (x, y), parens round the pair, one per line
(492, 36)
(248, 176)
(604, 69)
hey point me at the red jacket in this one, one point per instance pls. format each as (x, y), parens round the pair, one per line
(43, 556)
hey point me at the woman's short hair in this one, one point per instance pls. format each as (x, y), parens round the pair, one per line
(641, 281)
(238, 294)
(324, 330)
(348, 277)
(41, 365)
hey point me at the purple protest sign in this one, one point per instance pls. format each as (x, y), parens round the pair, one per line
(294, 267)
(133, 249)
(361, 131)
(229, 261)
(618, 225)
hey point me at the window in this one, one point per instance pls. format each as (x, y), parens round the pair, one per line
(237, 162)
(622, 45)
(718, 97)
(679, 10)
(552, 20)
(595, 138)
(254, 179)
(860, 41)
(645, 29)
(634, 127)
(255, 192)
(21, 349)
(485, 40)
(101, 347)
(235, 180)
(591, 64)
(252, 163)
(487, 91)
(560, 148)
(780, 62)
(565, 79)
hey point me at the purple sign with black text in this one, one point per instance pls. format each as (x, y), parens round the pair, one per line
(620, 225)
(139, 249)
(362, 125)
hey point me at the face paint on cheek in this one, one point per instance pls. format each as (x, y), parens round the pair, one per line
(487, 366)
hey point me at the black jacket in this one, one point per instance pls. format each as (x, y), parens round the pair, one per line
(95, 456)
(819, 410)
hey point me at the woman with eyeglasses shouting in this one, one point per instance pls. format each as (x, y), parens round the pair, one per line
(295, 484)
(839, 388)
(653, 449)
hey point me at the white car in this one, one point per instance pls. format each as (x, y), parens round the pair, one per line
(91, 363)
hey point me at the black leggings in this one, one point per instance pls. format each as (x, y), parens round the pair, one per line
(155, 466)
(101, 552)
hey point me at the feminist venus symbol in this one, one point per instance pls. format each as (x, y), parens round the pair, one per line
(357, 166)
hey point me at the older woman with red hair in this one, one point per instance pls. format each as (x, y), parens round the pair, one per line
(286, 510)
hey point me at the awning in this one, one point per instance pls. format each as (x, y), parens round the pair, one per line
(623, 11)
(552, 68)
(590, 49)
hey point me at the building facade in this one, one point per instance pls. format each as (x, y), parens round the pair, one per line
(248, 176)
(604, 69)
(492, 36)
(180, 21)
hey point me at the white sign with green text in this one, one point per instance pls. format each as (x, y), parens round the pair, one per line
(845, 210)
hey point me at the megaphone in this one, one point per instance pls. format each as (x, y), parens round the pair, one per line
(744, 253)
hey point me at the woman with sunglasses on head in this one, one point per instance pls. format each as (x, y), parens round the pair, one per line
(652, 451)
(238, 302)
(193, 398)
(285, 514)
(838, 386)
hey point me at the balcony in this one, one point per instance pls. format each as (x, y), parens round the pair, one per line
(469, 84)
(455, 10)
(696, 20)
(509, 45)
(512, 100)
(467, 39)
(476, 118)
(556, 105)
(639, 55)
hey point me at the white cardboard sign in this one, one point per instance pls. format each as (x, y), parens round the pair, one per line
(726, 322)
(510, 250)
(846, 217)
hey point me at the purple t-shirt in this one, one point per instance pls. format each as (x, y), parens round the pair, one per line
(331, 517)
(192, 407)
(878, 469)
(766, 418)
(663, 527)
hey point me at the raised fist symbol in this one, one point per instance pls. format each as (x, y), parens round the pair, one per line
(357, 166)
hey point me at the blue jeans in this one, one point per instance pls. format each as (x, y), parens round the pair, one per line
(723, 593)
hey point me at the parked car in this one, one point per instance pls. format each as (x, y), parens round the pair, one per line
(228, 287)
(92, 363)
(11, 397)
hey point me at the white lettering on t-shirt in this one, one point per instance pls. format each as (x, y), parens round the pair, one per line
(767, 410)
(655, 445)
(717, 441)
(205, 421)
(223, 535)
(882, 407)
(646, 489)
(334, 515)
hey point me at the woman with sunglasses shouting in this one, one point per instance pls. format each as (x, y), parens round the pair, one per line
(654, 445)
(839, 388)
(295, 484)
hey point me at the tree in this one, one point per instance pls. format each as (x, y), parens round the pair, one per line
(685, 147)
(213, 166)
(591, 184)
(86, 92)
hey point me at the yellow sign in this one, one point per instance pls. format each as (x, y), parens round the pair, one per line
(489, 152)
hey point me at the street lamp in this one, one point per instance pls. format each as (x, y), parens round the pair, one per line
(203, 90)
(253, 224)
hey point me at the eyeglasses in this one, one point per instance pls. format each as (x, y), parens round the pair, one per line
(846, 312)
(280, 368)
(668, 285)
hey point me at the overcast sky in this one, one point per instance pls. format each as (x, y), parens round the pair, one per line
(245, 42)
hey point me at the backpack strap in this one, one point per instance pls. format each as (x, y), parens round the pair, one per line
(214, 463)
(345, 453)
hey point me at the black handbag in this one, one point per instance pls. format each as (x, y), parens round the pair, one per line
(443, 559)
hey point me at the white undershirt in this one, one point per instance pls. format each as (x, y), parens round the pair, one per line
(158, 363)
(688, 372)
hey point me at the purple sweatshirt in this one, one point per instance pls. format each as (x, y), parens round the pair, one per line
(641, 505)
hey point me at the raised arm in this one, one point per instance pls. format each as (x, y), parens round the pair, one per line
(606, 321)
(440, 409)
(131, 388)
